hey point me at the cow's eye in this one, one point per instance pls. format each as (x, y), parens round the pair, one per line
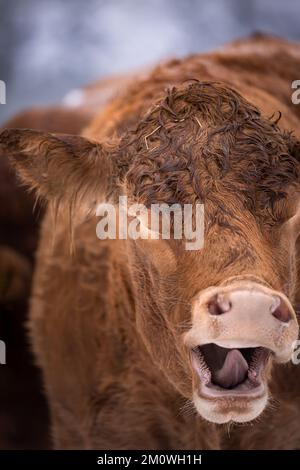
(286, 215)
(284, 209)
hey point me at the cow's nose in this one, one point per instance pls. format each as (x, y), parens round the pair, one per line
(281, 311)
(221, 303)
(244, 314)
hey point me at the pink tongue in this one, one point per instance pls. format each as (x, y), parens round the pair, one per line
(233, 372)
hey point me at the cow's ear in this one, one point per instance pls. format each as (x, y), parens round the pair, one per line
(60, 167)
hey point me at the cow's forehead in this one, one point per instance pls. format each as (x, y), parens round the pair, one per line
(192, 146)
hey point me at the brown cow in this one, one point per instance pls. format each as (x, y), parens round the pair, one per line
(139, 340)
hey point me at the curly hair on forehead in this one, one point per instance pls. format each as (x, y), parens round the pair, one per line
(204, 138)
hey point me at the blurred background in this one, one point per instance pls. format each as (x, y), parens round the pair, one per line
(48, 47)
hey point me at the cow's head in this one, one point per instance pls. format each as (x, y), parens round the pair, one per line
(216, 319)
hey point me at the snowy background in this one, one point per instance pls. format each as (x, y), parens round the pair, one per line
(48, 47)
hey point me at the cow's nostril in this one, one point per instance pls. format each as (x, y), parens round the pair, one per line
(282, 312)
(219, 304)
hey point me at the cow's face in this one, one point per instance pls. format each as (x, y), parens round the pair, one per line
(215, 319)
(226, 307)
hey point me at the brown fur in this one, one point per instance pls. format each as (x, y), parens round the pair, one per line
(107, 322)
(23, 411)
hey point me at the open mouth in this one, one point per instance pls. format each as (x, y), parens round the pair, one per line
(225, 372)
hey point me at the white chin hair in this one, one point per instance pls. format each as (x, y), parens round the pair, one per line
(211, 412)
